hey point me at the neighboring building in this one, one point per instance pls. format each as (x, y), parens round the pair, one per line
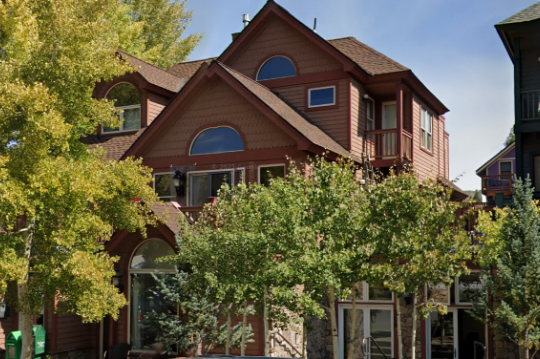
(520, 34)
(497, 175)
(278, 90)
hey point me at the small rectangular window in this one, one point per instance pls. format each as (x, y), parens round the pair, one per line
(370, 115)
(505, 167)
(468, 287)
(266, 173)
(427, 130)
(130, 119)
(378, 293)
(324, 96)
(163, 184)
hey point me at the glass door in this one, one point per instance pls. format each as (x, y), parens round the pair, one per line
(442, 335)
(367, 322)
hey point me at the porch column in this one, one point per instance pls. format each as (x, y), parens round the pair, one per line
(399, 121)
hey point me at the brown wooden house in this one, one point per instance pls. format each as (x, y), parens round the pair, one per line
(278, 90)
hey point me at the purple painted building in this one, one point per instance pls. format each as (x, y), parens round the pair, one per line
(497, 175)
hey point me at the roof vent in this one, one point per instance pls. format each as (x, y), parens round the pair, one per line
(315, 25)
(245, 19)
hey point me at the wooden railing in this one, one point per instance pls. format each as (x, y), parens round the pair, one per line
(383, 144)
(530, 105)
(497, 183)
(191, 213)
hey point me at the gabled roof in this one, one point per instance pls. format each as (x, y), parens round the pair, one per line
(115, 145)
(187, 69)
(369, 59)
(499, 154)
(311, 132)
(153, 74)
(529, 14)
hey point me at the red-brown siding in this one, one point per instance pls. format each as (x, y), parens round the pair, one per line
(156, 104)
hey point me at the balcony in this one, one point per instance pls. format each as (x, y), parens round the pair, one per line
(384, 148)
(530, 105)
(191, 213)
(497, 184)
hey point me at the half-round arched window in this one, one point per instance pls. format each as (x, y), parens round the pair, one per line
(144, 291)
(126, 98)
(217, 140)
(275, 68)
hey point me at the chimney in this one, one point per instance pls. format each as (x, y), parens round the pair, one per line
(245, 19)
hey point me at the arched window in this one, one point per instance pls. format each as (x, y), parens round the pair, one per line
(126, 98)
(275, 68)
(217, 140)
(145, 295)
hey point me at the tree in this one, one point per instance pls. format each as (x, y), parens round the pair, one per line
(59, 202)
(510, 257)
(511, 137)
(414, 224)
(161, 24)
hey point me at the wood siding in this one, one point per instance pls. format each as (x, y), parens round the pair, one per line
(73, 334)
(333, 120)
(7, 325)
(278, 38)
(531, 148)
(428, 165)
(215, 105)
(530, 70)
(358, 118)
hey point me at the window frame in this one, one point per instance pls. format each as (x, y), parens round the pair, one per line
(121, 120)
(511, 166)
(130, 293)
(448, 291)
(194, 138)
(366, 295)
(368, 119)
(280, 77)
(457, 298)
(423, 111)
(383, 113)
(171, 174)
(334, 100)
(190, 174)
(270, 165)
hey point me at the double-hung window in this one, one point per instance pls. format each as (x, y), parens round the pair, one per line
(370, 115)
(126, 100)
(427, 130)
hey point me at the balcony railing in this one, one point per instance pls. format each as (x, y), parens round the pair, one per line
(383, 145)
(530, 105)
(497, 184)
(191, 213)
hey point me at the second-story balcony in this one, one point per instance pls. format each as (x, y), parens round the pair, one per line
(387, 148)
(497, 184)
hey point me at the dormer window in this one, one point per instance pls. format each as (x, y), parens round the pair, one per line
(276, 68)
(126, 98)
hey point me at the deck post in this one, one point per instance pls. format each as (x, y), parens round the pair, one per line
(399, 122)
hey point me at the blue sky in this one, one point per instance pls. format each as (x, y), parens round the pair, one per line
(451, 45)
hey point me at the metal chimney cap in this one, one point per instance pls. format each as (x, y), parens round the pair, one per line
(245, 19)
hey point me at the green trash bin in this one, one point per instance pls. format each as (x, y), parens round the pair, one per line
(14, 345)
(39, 340)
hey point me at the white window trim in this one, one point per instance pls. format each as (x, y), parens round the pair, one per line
(422, 130)
(368, 119)
(171, 174)
(121, 119)
(511, 165)
(363, 306)
(321, 88)
(198, 173)
(456, 290)
(448, 293)
(215, 153)
(280, 77)
(269, 165)
(366, 295)
(140, 271)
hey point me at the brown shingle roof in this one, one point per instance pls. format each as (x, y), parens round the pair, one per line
(311, 132)
(372, 61)
(170, 215)
(187, 69)
(153, 74)
(115, 146)
(529, 14)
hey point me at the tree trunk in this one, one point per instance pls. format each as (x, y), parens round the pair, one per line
(413, 344)
(304, 337)
(244, 325)
(352, 333)
(266, 324)
(333, 321)
(399, 334)
(526, 346)
(25, 324)
(229, 331)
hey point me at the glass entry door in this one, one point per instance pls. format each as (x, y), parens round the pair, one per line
(369, 321)
(442, 335)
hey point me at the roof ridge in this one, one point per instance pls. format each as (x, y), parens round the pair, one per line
(191, 61)
(148, 63)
